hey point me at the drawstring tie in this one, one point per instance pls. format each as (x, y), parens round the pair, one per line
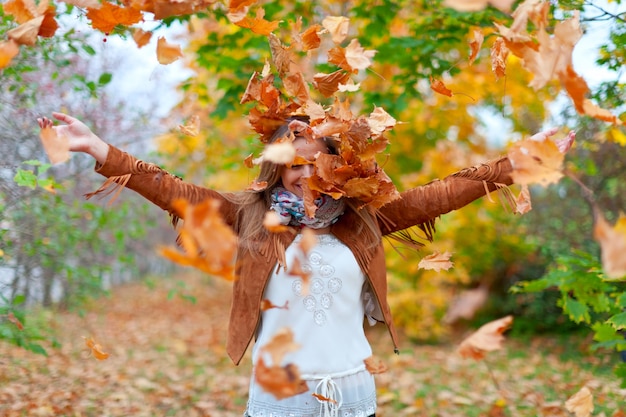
(328, 394)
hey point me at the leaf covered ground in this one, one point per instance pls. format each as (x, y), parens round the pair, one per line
(167, 358)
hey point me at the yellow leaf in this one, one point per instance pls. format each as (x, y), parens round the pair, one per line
(436, 261)
(617, 136)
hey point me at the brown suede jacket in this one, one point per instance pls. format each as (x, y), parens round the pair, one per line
(417, 207)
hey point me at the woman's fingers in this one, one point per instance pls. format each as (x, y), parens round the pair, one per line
(545, 134)
(566, 143)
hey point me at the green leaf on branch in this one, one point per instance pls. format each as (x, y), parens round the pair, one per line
(25, 178)
(618, 321)
(577, 311)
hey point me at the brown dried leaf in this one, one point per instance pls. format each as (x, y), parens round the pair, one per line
(436, 261)
(439, 87)
(26, 33)
(280, 381)
(536, 162)
(486, 339)
(466, 304)
(357, 57)
(267, 305)
(581, 403)
(499, 53)
(475, 44)
(523, 203)
(328, 84)
(310, 38)
(209, 243)
(375, 365)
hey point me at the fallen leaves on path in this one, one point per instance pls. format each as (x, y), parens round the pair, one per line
(167, 357)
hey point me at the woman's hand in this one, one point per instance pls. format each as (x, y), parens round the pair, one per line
(563, 144)
(79, 136)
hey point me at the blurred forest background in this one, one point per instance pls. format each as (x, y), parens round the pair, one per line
(58, 250)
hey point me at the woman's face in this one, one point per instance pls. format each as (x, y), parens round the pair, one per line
(293, 177)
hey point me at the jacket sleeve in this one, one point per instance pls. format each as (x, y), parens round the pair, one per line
(422, 205)
(155, 184)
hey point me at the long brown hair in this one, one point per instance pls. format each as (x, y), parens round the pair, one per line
(253, 204)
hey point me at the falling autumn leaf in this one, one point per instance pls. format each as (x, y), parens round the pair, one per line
(612, 242)
(26, 33)
(141, 37)
(466, 304)
(439, 87)
(267, 305)
(57, 147)
(486, 339)
(209, 244)
(475, 43)
(581, 403)
(280, 153)
(192, 127)
(109, 15)
(357, 57)
(499, 53)
(167, 53)
(436, 261)
(258, 24)
(280, 381)
(523, 203)
(375, 365)
(271, 221)
(8, 50)
(96, 349)
(536, 162)
(337, 26)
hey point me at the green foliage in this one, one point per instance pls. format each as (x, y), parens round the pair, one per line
(585, 297)
(74, 250)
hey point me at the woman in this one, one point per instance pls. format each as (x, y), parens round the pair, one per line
(345, 268)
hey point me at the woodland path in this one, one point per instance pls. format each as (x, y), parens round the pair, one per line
(167, 358)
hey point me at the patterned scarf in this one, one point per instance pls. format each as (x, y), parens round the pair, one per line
(290, 209)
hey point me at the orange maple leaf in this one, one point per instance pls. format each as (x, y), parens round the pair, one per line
(258, 24)
(209, 243)
(271, 221)
(328, 84)
(167, 52)
(109, 15)
(486, 339)
(439, 87)
(8, 50)
(96, 349)
(280, 381)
